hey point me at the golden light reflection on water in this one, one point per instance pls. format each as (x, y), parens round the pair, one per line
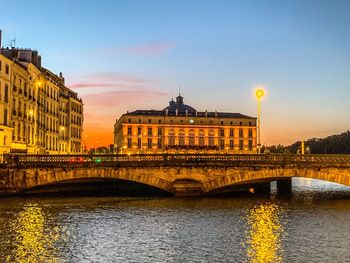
(32, 243)
(264, 234)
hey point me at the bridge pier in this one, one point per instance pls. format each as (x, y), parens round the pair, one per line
(284, 186)
(263, 188)
(187, 188)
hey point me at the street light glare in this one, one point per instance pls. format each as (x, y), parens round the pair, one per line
(259, 93)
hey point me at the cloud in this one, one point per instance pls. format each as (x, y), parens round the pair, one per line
(111, 80)
(107, 95)
(120, 98)
(147, 49)
(152, 48)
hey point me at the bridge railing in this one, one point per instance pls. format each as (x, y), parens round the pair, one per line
(143, 159)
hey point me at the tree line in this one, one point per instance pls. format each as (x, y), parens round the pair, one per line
(334, 144)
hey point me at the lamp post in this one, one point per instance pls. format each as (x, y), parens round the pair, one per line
(259, 93)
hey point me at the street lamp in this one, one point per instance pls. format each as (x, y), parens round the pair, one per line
(259, 93)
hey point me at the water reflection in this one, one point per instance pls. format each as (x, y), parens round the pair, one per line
(264, 234)
(33, 241)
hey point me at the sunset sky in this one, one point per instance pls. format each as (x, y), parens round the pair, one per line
(128, 55)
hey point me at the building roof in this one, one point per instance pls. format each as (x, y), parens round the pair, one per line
(178, 108)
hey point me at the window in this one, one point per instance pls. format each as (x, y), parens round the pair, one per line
(201, 141)
(138, 143)
(181, 138)
(159, 121)
(211, 138)
(129, 130)
(171, 139)
(241, 133)
(139, 130)
(191, 140)
(159, 143)
(149, 143)
(139, 120)
(222, 133)
(222, 144)
(150, 131)
(231, 123)
(5, 119)
(6, 96)
(129, 142)
(250, 144)
(149, 121)
(160, 131)
(240, 123)
(7, 69)
(222, 123)
(129, 120)
(231, 133)
(231, 144)
(241, 144)
(0, 64)
(250, 133)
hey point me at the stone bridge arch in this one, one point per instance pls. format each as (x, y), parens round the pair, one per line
(26, 179)
(245, 176)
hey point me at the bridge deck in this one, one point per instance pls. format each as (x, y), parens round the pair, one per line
(11, 160)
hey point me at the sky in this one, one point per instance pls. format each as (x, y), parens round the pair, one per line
(128, 55)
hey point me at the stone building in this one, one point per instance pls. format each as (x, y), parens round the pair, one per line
(179, 128)
(38, 113)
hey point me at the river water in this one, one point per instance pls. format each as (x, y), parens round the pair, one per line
(311, 226)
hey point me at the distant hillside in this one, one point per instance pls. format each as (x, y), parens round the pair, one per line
(334, 144)
(339, 143)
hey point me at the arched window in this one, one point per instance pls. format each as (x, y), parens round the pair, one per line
(201, 138)
(191, 141)
(171, 139)
(211, 138)
(182, 138)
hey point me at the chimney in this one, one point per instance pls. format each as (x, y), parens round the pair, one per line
(61, 78)
(0, 40)
(39, 61)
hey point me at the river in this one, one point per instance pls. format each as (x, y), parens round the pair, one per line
(311, 226)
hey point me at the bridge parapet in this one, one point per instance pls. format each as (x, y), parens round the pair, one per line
(172, 160)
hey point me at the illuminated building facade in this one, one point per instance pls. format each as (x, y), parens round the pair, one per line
(38, 113)
(180, 128)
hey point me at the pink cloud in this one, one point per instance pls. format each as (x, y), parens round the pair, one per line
(120, 98)
(152, 48)
(148, 49)
(111, 79)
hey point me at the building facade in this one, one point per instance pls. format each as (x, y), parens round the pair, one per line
(38, 113)
(179, 128)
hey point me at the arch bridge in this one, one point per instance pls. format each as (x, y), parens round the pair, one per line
(180, 175)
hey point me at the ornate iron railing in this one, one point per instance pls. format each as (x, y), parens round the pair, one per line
(27, 160)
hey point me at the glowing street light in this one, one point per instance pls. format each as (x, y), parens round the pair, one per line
(259, 93)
